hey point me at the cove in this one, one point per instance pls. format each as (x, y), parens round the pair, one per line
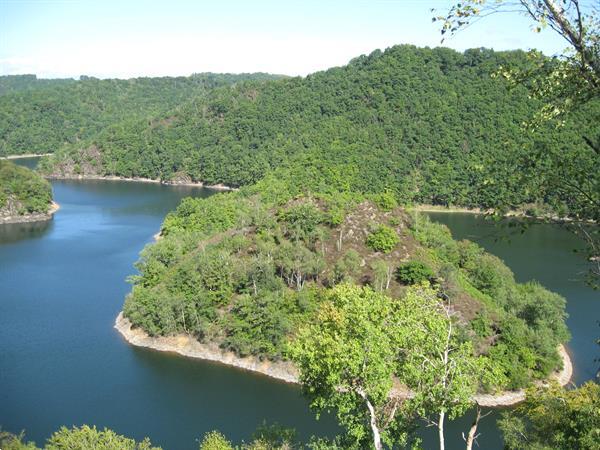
(62, 362)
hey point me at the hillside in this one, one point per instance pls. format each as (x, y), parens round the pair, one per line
(24, 195)
(244, 270)
(432, 125)
(40, 116)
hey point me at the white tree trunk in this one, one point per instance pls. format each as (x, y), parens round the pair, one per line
(441, 429)
(373, 421)
(473, 431)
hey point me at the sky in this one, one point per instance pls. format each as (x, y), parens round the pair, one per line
(129, 38)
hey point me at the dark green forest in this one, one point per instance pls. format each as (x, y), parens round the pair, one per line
(41, 116)
(430, 125)
(22, 191)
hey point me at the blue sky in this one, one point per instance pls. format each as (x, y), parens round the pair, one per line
(107, 38)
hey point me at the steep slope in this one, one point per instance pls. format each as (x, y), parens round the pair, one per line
(432, 125)
(40, 116)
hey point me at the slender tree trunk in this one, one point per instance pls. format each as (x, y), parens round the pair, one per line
(389, 278)
(441, 429)
(373, 421)
(473, 430)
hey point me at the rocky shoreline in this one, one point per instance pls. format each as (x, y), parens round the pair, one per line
(186, 345)
(26, 155)
(218, 187)
(30, 218)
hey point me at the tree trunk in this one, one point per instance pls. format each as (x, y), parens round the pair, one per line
(373, 421)
(441, 429)
(473, 430)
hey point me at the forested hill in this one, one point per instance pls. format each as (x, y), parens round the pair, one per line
(39, 116)
(432, 125)
(22, 192)
(247, 269)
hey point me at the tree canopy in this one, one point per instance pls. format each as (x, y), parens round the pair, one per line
(22, 191)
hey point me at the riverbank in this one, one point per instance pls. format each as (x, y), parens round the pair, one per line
(26, 155)
(30, 218)
(217, 187)
(186, 345)
(515, 214)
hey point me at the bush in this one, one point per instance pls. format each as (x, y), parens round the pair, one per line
(414, 272)
(386, 201)
(215, 441)
(383, 239)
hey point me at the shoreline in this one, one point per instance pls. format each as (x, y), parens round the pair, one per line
(26, 155)
(513, 214)
(216, 187)
(31, 218)
(188, 346)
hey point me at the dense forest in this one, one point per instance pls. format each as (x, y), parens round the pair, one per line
(40, 116)
(431, 125)
(22, 191)
(246, 269)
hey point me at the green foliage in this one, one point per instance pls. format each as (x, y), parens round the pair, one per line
(529, 320)
(9, 441)
(383, 239)
(414, 272)
(40, 116)
(245, 270)
(553, 417)
(390, 124)
(346, 267)
(259, 325)
(205, 215)
(386, 201)
(78, 438)
(22, 191)
(302, 221)
(442, 370)
(347, 357)
(215, 441)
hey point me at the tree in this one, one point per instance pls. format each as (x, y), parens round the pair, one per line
(441, 370)
(347, 358)
(553, 417)
(382, 275)
(215, 441)
(78, 438)
(565, 85)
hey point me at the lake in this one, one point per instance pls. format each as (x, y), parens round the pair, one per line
(62, 284)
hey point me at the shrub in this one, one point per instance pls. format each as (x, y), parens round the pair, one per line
(414, 272)
(215, 441)
(383, 239)
(386, 201)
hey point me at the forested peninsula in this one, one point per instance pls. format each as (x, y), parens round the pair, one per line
(24, 195)
(244, 271)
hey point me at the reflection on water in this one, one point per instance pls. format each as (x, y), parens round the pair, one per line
(14, 232)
